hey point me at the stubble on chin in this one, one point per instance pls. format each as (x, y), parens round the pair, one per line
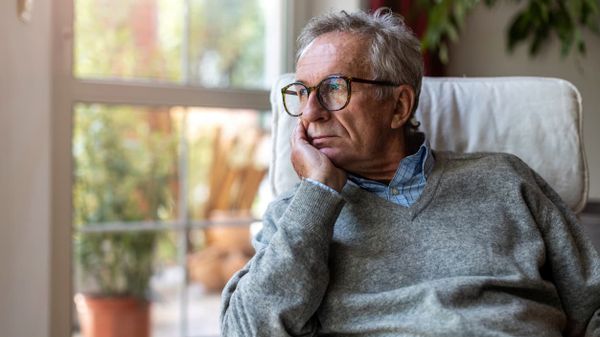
(334, 156)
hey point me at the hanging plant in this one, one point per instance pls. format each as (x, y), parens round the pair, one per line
(535, 24)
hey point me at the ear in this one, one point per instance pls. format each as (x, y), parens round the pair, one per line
(404, 105)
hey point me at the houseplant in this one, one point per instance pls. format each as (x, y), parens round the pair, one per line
(125, 167)
(534, 23)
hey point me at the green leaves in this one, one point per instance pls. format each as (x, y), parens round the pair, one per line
(444, 21)
(125, 168)
(536, 24)
(542, 18)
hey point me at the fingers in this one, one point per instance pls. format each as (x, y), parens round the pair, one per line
(309, 162)
(299, 134)
(303, 155)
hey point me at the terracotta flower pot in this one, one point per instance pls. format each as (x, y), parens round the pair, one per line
(113, 316)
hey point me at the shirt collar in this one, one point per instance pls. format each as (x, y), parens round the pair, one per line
(417, 165)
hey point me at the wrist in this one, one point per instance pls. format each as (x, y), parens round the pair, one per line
(323, 186)
(335, 182)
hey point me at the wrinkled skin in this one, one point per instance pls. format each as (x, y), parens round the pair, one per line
(366, 137)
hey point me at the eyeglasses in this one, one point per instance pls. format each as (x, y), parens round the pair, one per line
(333, 93)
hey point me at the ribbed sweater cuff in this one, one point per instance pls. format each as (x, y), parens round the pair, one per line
(314, 208)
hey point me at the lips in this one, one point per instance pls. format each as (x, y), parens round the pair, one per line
(321, 141)
(321, 137)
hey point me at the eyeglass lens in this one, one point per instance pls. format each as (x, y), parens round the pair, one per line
(332, 94)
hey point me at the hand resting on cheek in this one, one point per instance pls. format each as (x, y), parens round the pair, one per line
(309, 162)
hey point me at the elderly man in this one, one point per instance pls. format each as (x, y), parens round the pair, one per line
(386, 237)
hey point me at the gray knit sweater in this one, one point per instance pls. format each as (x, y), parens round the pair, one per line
(488, 250)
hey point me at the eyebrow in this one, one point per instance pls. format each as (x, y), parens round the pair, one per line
(327, 76)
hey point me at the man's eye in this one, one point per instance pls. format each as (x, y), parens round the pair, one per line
(333, 86)
(302, 92)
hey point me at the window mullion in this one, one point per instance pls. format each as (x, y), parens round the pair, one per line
(167, 95)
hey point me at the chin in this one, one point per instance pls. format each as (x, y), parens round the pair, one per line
(336, 157)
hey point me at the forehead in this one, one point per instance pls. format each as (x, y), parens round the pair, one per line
(334, 53)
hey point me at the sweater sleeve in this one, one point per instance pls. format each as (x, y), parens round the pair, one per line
(278, 292)
(573, 262)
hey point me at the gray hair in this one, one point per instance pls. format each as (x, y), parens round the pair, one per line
(395, 53)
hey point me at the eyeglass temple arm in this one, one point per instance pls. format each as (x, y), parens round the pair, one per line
(386, 83)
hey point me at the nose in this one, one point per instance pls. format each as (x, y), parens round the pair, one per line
(313, 110)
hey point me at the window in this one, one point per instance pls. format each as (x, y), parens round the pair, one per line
(169, 139)
(210, 43)
(150, 183)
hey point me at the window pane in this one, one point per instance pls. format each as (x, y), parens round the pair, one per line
(216, 254)
(128, 39)
(130, 190)
(214, 43)
(227, 43)
(205, 283)
(125, 179)
(148, 257)
(126, 164)
(167, 285)
(229, 151)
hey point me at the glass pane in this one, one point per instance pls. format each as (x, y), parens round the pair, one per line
(126, 164)
(153, 262)
(125, 179)
(205, 284)
(216, 254)
(228, 43)
(129, 39)
(213, 43)
(229, 152)
(130, 189)
(166, 287)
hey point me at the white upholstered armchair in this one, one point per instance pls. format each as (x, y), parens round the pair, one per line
(537, 119)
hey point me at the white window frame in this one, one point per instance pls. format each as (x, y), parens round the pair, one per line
(67, 91)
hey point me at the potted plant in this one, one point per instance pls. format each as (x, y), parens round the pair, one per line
(125, 165)
(535, 22)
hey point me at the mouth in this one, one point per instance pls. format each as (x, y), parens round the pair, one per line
(320, 137)
(321, 141)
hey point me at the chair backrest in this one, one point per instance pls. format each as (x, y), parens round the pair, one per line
(538, 119)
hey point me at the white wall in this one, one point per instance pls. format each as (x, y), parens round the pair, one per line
(481, 52)
(24, 171)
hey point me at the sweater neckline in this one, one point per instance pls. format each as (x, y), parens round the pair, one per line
(353, 191)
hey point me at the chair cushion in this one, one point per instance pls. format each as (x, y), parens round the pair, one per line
(537, 119)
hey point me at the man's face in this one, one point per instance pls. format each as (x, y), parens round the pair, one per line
(359, 135)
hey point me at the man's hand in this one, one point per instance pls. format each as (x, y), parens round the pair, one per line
(309, 162)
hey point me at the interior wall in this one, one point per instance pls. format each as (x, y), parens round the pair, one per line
(24, 171)
(481, 51)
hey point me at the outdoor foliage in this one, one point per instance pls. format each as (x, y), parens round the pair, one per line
(128, 39)
(220, 43)
(227, 43)
(125, 171)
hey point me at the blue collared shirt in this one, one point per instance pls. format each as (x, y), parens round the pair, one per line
(408, 182)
